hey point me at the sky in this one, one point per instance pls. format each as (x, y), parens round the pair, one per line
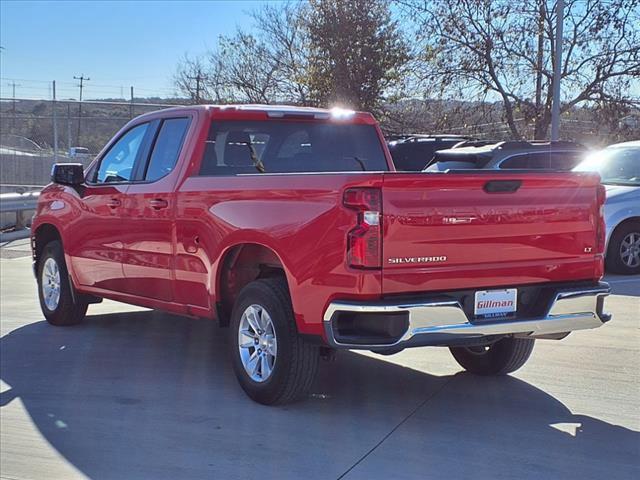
(116, 44)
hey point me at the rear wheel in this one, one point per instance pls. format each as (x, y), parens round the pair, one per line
(274, 364)
(57, 300)
(623, 254)
(499, 358)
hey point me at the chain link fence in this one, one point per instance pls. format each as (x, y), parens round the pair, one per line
(34, 134)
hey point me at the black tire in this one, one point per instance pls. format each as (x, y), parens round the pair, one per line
(499, 358)
(615, 262)
(296, 361)
(70, 310)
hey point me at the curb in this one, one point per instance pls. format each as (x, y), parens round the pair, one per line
(15, 235)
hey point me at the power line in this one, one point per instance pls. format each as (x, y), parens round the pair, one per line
(14, 85)
(198, 78)
(64, 89)
(82, 79)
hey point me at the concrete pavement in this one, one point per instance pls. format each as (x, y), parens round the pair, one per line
(138, 394)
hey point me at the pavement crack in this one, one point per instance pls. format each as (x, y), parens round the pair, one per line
(402, 422)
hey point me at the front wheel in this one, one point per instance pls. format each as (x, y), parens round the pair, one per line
(57, 300)
(274, 364)
(623, 254)
(499, 358)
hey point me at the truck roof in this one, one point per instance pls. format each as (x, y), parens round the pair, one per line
(265, 112)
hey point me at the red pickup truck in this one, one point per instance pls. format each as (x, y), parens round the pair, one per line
(290, 226)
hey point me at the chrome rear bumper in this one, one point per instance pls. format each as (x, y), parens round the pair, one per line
(445, 322)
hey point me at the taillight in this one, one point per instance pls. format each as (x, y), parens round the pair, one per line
(364, 241)
(601, 229)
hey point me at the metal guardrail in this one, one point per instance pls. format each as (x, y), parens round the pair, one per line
(20, 188)
(20, 204)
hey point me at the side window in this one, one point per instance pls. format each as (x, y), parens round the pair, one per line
(517, 162)
(540, 160)
(167, 148)
(117, 164)
(565, 160)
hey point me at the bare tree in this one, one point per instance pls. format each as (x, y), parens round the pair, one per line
(282, 31)
(505, 50)
(239, 66)
(264, 66)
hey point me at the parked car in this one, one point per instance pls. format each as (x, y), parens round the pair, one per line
(619, 168)
(411, 153)
(77, 151)
(532, 155)
(290, 226)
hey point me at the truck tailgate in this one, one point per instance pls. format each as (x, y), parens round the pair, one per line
(454, 231)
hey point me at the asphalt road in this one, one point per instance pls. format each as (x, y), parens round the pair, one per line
(136, 394)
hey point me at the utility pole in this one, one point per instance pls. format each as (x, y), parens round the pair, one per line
(82, 79)
(198, 78)
(68, 128)
(13, 108)
(131, 104)
(540, 57)
(55, 124)
(557, 72)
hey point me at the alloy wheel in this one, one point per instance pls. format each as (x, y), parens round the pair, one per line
(257, 343)
(51, 284)
(630, 250)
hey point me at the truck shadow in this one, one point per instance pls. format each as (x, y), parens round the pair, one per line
(150, 395)
(629, 288)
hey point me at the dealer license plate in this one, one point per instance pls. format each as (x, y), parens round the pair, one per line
(495, 303)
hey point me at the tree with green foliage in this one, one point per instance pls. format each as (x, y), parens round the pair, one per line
(356, 52)
(321, 53)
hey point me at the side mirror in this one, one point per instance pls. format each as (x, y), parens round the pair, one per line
(68, 174)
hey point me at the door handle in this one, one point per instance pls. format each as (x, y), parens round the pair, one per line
(502, 186)
(113, 203)
(158, 203)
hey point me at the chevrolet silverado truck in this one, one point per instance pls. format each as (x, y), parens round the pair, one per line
(291, 227)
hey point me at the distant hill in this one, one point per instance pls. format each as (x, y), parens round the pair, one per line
(102, 118)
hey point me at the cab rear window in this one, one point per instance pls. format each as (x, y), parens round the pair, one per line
(239, 147)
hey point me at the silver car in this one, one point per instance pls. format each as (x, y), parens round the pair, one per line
(619, 168)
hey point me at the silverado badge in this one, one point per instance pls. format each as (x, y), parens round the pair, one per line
(398, 260)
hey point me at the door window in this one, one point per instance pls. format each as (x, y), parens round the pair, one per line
(540, 160)
(565, 160)
(167, 148)
(117, 164)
